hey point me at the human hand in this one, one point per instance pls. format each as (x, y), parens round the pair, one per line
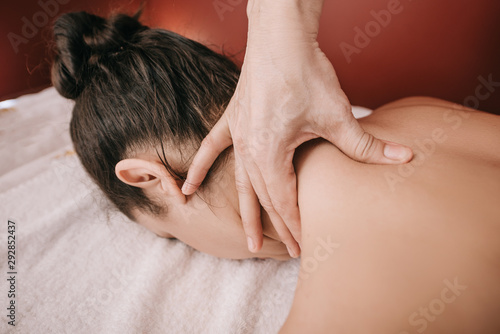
(288, 93)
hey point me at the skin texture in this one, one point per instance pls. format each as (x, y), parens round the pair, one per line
(381, 243)
(399, 245)
(287, 94)
(209, 222)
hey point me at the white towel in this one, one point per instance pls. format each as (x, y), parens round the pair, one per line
(82, 268)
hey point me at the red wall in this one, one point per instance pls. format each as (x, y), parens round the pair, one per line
(430, 47)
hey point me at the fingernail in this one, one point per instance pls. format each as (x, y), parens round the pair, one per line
(185, 188)
(291, 252)
(251, 244)
(396, 152)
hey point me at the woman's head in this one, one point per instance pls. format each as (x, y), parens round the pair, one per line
(136, 88)
(144, 100)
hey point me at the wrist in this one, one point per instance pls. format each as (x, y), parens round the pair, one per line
(283, 18)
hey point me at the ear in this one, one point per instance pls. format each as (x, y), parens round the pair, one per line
(150, 176)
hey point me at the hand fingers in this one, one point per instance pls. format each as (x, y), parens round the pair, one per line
(283, 193)
(277, 220)
(364, 147)
(283, 231)
(249, 207)
(218, 139)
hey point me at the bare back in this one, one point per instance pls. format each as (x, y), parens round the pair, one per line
(403, 249)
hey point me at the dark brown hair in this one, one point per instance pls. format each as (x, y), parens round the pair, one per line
(136, 88)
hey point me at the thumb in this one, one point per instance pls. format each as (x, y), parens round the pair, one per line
(364, 147)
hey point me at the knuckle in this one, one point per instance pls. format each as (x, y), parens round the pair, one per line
(238, 140)
(208, 142)
(267, 204)
(248, 226)
(240, 144)
(365, 147)
(288, 240)
(243, 187)
(282, 208)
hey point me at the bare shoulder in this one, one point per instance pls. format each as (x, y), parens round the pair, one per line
(381, 242)
(417, 116)
(449, 141)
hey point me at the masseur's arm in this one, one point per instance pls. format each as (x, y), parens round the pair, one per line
(288, 93)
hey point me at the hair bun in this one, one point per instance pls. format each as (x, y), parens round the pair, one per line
(82, 39)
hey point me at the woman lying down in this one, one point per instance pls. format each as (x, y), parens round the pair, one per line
(385, 249)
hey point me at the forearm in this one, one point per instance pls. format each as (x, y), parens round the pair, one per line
(283, 21)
